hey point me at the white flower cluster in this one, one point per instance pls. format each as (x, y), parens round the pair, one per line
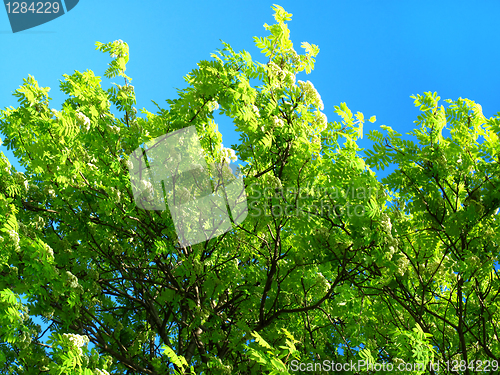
(386, 223)
(272, 181)
(478, 109)
(114, 129)
(402, 264)
(441, 270)
(255, 110)
(320, 120)
(39, 222)
(5, 162)
(320, 279)
(125, 88)
(274, 69)
(277, 121)
(228, 154)
(23, 229)
(49, 250)
(117, 43)
(391, 243)
(287, 76)
(294, 56)
(84, 120)
(183, 195)
(14, 238)
(48, 313)
(73, 280)
(116, 194)
(77, 340)
(20, 178)
(474, 260)
(146, 188)
(311, 95)
(213, 106)
(129, 88)
(25, 339)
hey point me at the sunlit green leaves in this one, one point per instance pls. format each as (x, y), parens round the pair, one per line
(326, 253)
(119, 51)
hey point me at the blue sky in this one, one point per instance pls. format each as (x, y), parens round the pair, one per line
(373, 55)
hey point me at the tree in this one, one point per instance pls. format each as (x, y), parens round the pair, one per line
(330, 265)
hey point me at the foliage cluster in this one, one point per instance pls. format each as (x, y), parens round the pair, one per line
(412, 280)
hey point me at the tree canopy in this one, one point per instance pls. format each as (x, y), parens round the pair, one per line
(330, 265)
